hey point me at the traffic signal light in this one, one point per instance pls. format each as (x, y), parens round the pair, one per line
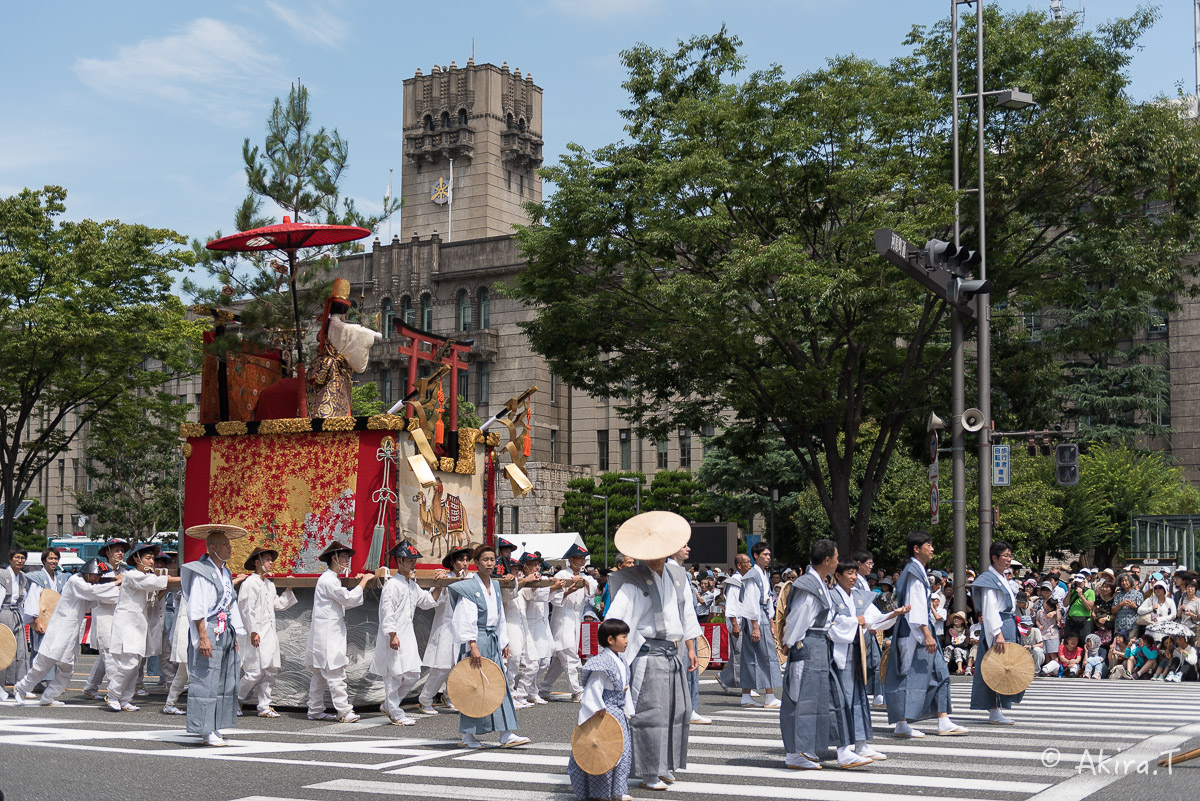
(1066, 464)
(945, 256)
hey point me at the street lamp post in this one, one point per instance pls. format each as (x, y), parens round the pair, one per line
(605, 499)
(638, 481)
(1010, 99)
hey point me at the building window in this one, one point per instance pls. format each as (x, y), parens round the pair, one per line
(428, 122)
(553, 388)
(485, 387)
(462, 117)
(706, 434)
(521, 185)
(1158, 323)
(464, 310)
(485, 308)
(1033, 324)
(508, 122)
(462, 388)
(60, 525)
(407, 313)
(685, 449)
(62, 472)
(388, 314)
(445, 119)
(385, 390)
(626, 449)
(660, 456)
(553, 445)
(508, 180)
(602, 451)
(521, 125)
(516, 520)
(499, 519)
(426, 312)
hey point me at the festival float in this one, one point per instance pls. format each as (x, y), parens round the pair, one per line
(282, 457)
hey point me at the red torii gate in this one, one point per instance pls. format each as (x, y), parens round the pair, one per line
(424, 346)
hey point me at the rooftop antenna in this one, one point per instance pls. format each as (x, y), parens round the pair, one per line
(1059, 9)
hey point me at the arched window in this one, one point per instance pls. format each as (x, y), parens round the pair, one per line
(485, 308)
(508, 122)
(445, 119)
(428, 122)
(521, 125)
(426, 312)
(407, 313)
(462, 117)
(388, 314)
(464, 310)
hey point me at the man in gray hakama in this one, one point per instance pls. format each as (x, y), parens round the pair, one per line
(866, 563)
(481, 632)
(653, 599)
(760, 660)
(730, 675)
(917, 684)
(14, 585)
(997, 602)
(815, 706)
(213, 662)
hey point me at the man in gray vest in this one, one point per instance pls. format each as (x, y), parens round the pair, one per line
(654, 600)
(14, 585)
(214, 617)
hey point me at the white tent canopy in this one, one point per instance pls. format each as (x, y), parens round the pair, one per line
(553, 547)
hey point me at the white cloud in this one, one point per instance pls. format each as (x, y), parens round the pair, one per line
(318, 25)
(605, 10)
(211, 67)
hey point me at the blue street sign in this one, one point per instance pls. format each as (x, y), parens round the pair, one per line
(1001, 465)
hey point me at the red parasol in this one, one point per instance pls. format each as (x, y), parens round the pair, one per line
(290, 236)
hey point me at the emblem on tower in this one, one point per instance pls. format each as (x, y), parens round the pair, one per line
(440, 194)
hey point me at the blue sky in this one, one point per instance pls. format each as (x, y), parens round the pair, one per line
(139, 109)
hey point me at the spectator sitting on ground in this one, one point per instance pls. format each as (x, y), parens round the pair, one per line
(1070, 656)
(1141, 665)
(1114, 662)
(1183, 663)
(972, 646)
(1166, 652)
(1031, 638)
(1158, 608)
(1093, 658)
(1045, 617)
(955, 652)
(1189, 608)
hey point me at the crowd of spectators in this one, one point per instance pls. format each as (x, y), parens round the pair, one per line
(1078, 623)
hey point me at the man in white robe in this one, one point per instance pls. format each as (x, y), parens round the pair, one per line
(567, 606)
(439, 655)
(538, 648)
(258, 601)
(326, 657)
(396, 657)
(113, 552)
(60, 646)
(131, 625)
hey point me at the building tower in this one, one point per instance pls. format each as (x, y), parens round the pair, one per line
(484, 123)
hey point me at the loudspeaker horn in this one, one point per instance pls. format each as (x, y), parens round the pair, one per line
(972, 420)
(935, 423)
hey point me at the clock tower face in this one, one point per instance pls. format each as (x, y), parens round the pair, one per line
(440, 194)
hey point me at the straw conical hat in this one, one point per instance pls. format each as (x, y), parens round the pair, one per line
(477, 692)
(202, 531)
(653, 535)
(598, 743)
(1008, 672)
(8, 647)
(703, 653)
(47, 602)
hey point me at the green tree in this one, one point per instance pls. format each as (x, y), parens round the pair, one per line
(29, 530)
(584, 513)
(1124, 481)
(717, 267)
(675, 491)
(364, 400)
(86, 317)
(136, 472)
(299, 169)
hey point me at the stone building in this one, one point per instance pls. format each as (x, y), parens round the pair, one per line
(444, 274)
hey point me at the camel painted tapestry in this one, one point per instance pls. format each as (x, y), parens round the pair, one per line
(443, 517)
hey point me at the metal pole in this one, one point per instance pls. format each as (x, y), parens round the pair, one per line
(606, 532)
(958, 452)
(983, 312)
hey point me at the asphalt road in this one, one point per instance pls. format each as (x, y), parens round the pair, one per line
(1075, 739)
